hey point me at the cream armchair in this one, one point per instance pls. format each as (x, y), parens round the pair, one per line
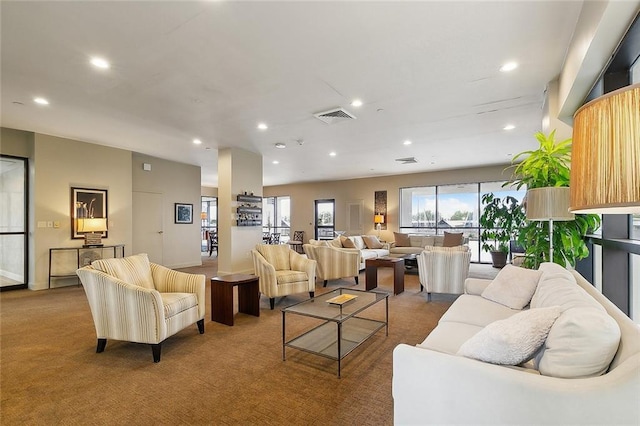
(134, 300)
(443, 269)
(282, 271)
(334, 263)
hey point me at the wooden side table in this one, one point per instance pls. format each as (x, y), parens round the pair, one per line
(371, 272)
(222, 296)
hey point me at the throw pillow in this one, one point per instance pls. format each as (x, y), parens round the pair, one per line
(513, 286)
(372, 242)
(134, 269)
(514, 340)
(452, 239)
(346, 242)
(402, 240)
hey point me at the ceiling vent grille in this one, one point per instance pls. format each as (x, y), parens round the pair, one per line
(407, 160)
(334, 115)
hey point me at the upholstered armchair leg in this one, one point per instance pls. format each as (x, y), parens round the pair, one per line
(356, 278)
(428, 297)
(155, 348)
(200, 324)
(102, 343)
(311, 294)
(421, 287)
(325, 283)
(272, 302)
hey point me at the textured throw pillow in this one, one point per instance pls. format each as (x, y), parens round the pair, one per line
(402, 240)
(514, 340)
(346, 242)
(513, 287)
(452, 239)
(134, 269)
(372, 242)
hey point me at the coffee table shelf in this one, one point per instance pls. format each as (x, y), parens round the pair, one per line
(342, 330)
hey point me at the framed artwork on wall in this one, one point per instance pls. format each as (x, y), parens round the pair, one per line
(88, 203)
(184, 213)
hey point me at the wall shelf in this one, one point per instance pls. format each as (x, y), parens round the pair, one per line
(249, 210)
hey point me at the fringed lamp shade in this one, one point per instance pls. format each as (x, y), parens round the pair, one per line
(605, 157)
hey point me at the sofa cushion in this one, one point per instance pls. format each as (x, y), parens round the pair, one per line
(475, 310)
(134, 269)
(406, 250)
(513, 286)
(513, 340)
(288, 277)
(372, 242)
(422, 240)
(346, 242)
(452, 239)
(358, 242)
(402, 240)
(557, 286)
(174, 303)
(276, 254)
(447, 337)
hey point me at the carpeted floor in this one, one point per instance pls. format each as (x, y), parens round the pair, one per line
(50, 373)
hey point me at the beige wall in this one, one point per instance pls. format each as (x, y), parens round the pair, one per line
(303, 195)
(207, 191)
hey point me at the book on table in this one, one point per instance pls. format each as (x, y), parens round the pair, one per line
(342, 299)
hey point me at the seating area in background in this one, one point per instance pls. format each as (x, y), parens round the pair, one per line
(367, 246)
(134, 300)
(282, 271)
(404, 244)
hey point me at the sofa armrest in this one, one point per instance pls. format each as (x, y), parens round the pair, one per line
(171, 281)
(475, 285)
(437, 388)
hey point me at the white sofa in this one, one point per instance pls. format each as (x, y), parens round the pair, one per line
(360, 247)
(418, 244)
(434, 385)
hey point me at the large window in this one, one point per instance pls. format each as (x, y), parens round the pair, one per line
(276, 216)
(432, 210)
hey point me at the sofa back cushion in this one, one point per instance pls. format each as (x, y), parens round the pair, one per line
(372, 242)
(584, 339)
(134, 269)
(275, 254)
(402, 240)
(513, 287)
(452, 239)
(422, 240)
(357, 241)
(346, 242)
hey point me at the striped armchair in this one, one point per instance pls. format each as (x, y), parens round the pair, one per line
(334, 263)
(282, 271)
(444, 269)
(134, 300)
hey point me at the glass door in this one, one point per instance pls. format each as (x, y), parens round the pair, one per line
(13, 222)
(325, 223)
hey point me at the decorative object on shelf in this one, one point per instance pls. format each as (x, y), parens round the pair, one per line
(87, 203)
(183, 213)
(549, 203)
(605, 157)
(378, 219)
(249, 210)
(92, 228)
(380, 206)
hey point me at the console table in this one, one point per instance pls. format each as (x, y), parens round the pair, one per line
(78, 257)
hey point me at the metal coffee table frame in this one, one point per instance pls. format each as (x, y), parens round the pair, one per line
(342, 330)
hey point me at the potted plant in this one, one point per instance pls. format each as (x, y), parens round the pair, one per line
(549, 166)
(501, 220)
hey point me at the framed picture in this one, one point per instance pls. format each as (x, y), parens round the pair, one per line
(184, 213)
(87, 203)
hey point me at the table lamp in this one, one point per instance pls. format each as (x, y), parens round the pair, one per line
(378, 220)
(92, 228)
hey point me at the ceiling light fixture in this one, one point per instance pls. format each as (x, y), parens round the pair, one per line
(407, 142)
(262, 126)
(356, 103)
(509, 127)
(41, 101)
(275, 162)
(509, 66)
(100, 63)
(332, 153)
(197, 141)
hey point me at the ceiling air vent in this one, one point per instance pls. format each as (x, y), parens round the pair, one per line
(407, 160)
(334, 115)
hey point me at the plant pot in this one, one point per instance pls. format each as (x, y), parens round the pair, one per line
(499, 259)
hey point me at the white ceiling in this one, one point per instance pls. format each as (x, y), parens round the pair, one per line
(426, 71)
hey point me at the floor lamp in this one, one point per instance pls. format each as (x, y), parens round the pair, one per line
(549, 203)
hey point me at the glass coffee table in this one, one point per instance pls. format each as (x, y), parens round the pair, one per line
(342, 329)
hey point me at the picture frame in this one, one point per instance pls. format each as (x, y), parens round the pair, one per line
(87, 203)
(183, 213)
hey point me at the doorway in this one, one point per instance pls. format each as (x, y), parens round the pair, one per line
(148, 225)
(13, 222)
(325, 213)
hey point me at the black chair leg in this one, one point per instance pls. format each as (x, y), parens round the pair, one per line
(356, 278)
(325, 283)
(155, 348)
(311, 294)
(272, 302)
(200, 324)
(102, 343)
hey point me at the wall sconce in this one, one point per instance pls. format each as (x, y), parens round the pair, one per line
(378, 220)
(92, 228)
(605, 154)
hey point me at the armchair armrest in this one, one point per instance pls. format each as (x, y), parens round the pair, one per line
(170, 281)
(475, 285)
(300, 263)
(266, 272)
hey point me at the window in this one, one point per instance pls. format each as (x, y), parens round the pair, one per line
(276, 216)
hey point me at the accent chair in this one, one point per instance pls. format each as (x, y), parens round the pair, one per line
(333, 262)
(444, 269)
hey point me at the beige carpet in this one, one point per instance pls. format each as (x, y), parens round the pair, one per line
(50, 373)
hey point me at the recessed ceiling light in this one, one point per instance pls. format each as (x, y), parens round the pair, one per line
(407, 142)
(262, 126)
(100, 63)
(509, 127)
(332, 153)
(509, 66)
(41, 101)
(356, 103)
(275, 162)
(197, 141)
(280, 145)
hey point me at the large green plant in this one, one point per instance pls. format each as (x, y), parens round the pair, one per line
(549, 165)
(501, 221)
